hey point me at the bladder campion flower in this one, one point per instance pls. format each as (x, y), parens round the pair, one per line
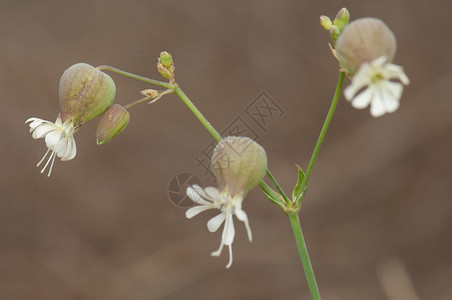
(365, 50)
(239, 164)
(380, 92)
(59, 139)
(85, 93)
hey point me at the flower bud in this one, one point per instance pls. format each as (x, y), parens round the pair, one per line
(163, 70)
(239, 163)
(113, 121)
(85, 93)
(342, 18)
(166, 58)
(326, 22)
(364, 40)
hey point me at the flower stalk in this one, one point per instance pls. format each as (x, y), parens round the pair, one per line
(134, 76)
(304, 256)
(322, 135)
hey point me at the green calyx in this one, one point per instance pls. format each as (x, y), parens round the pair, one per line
(112, 123)
(85, 93)
(239, 163)
(365, 40)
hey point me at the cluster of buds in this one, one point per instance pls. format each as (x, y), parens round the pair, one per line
(337, 26)
(365, 49)
(239, 164)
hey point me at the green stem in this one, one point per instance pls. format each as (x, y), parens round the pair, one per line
(322, 135)
(138, 77)
(280, 190)
(198, 114)
(304, 255)
(137, 102)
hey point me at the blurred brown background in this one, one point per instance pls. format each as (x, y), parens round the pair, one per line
(378, 213)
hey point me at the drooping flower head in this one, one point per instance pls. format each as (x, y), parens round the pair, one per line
(365, 50)
(239, 164)
(85, 93)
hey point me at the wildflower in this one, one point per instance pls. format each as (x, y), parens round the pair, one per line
(59, 139)
(365, 50)
(239, 164)
(379, 92)
(85, 93)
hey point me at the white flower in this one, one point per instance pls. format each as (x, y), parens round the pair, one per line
(59, 139)
(381, 93)
(211, 198)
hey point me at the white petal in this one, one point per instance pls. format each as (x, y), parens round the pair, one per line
(193, 211)
(392, 89)
(360, 80)
(67, 152)
(363, 99)
(42, 130)
(53, 137)
(71, 150)
(193, 194)
(32, 120)
(377, 109)
(241, 215)
(35, 122)
(215, 222)
(403, 78)
(218, 251)
(379, 62)
(61, 147)
(228, 230)
(392, 71)
(351, 90)
(387, 98)
(230, 257)
(212, 192)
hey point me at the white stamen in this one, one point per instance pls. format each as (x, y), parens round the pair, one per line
(42, 159)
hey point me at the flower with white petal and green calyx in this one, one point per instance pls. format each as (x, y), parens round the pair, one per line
(239, 164)
(59, 139)
(365, 50)
(85, 93)
(379, 92)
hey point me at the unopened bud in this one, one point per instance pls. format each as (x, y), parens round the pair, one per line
(342, 18)
(113, 121)
(239, 163)
(150, 93)
(85, 93)
(326, 22)
(365, 40)
(166, 58)
(163, 70)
